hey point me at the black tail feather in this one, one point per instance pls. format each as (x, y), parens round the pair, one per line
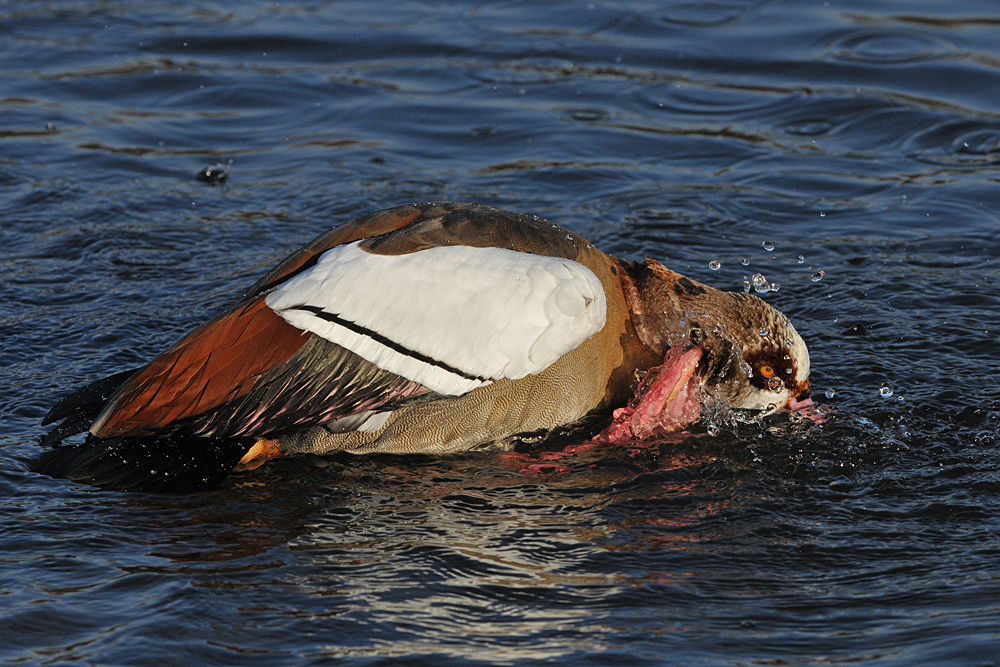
(79, 410)
(94, 394)
(152, 463)
(69, 427)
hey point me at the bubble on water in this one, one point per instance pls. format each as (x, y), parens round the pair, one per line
(768, 246)
(818, 276)
(745, 262)
(885, 390)
(764, 332)
(802, 260)
(213, 174)
(830, 393)
(714, 265)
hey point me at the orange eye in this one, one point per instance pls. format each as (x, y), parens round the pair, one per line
(766, 371)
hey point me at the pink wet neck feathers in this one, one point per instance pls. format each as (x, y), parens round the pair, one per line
(666, 401)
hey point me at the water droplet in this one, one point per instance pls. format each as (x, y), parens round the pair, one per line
(715, 266)
(764, 332)
(822, 214)
(830, 393)
(768, 246)
(802, 260)
(152, 472)
(760, 283)
(745, 262)
(569, 237)
(746, 285)
(818, 276)
(885, 389)
(775, 383)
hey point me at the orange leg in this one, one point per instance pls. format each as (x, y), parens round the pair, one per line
(261, 451)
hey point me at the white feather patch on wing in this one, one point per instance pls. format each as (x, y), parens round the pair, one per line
(452, 318)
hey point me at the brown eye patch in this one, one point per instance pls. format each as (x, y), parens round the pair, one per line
(771, 368)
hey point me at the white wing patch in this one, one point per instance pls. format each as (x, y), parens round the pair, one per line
(452, 318)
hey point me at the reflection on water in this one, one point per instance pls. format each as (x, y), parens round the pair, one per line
(859, 141)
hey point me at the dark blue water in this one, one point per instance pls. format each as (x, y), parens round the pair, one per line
(862, 136)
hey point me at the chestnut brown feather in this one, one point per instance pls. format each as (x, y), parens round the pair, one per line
(321, 382)
(213, 365)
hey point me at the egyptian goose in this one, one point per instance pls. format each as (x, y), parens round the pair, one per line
(430, 328)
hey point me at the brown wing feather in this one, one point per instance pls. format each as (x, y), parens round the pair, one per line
(318, 384)
(215, 363)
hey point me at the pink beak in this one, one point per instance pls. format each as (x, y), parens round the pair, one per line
(795, 404)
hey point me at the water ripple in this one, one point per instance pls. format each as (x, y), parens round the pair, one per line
(891, 47)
